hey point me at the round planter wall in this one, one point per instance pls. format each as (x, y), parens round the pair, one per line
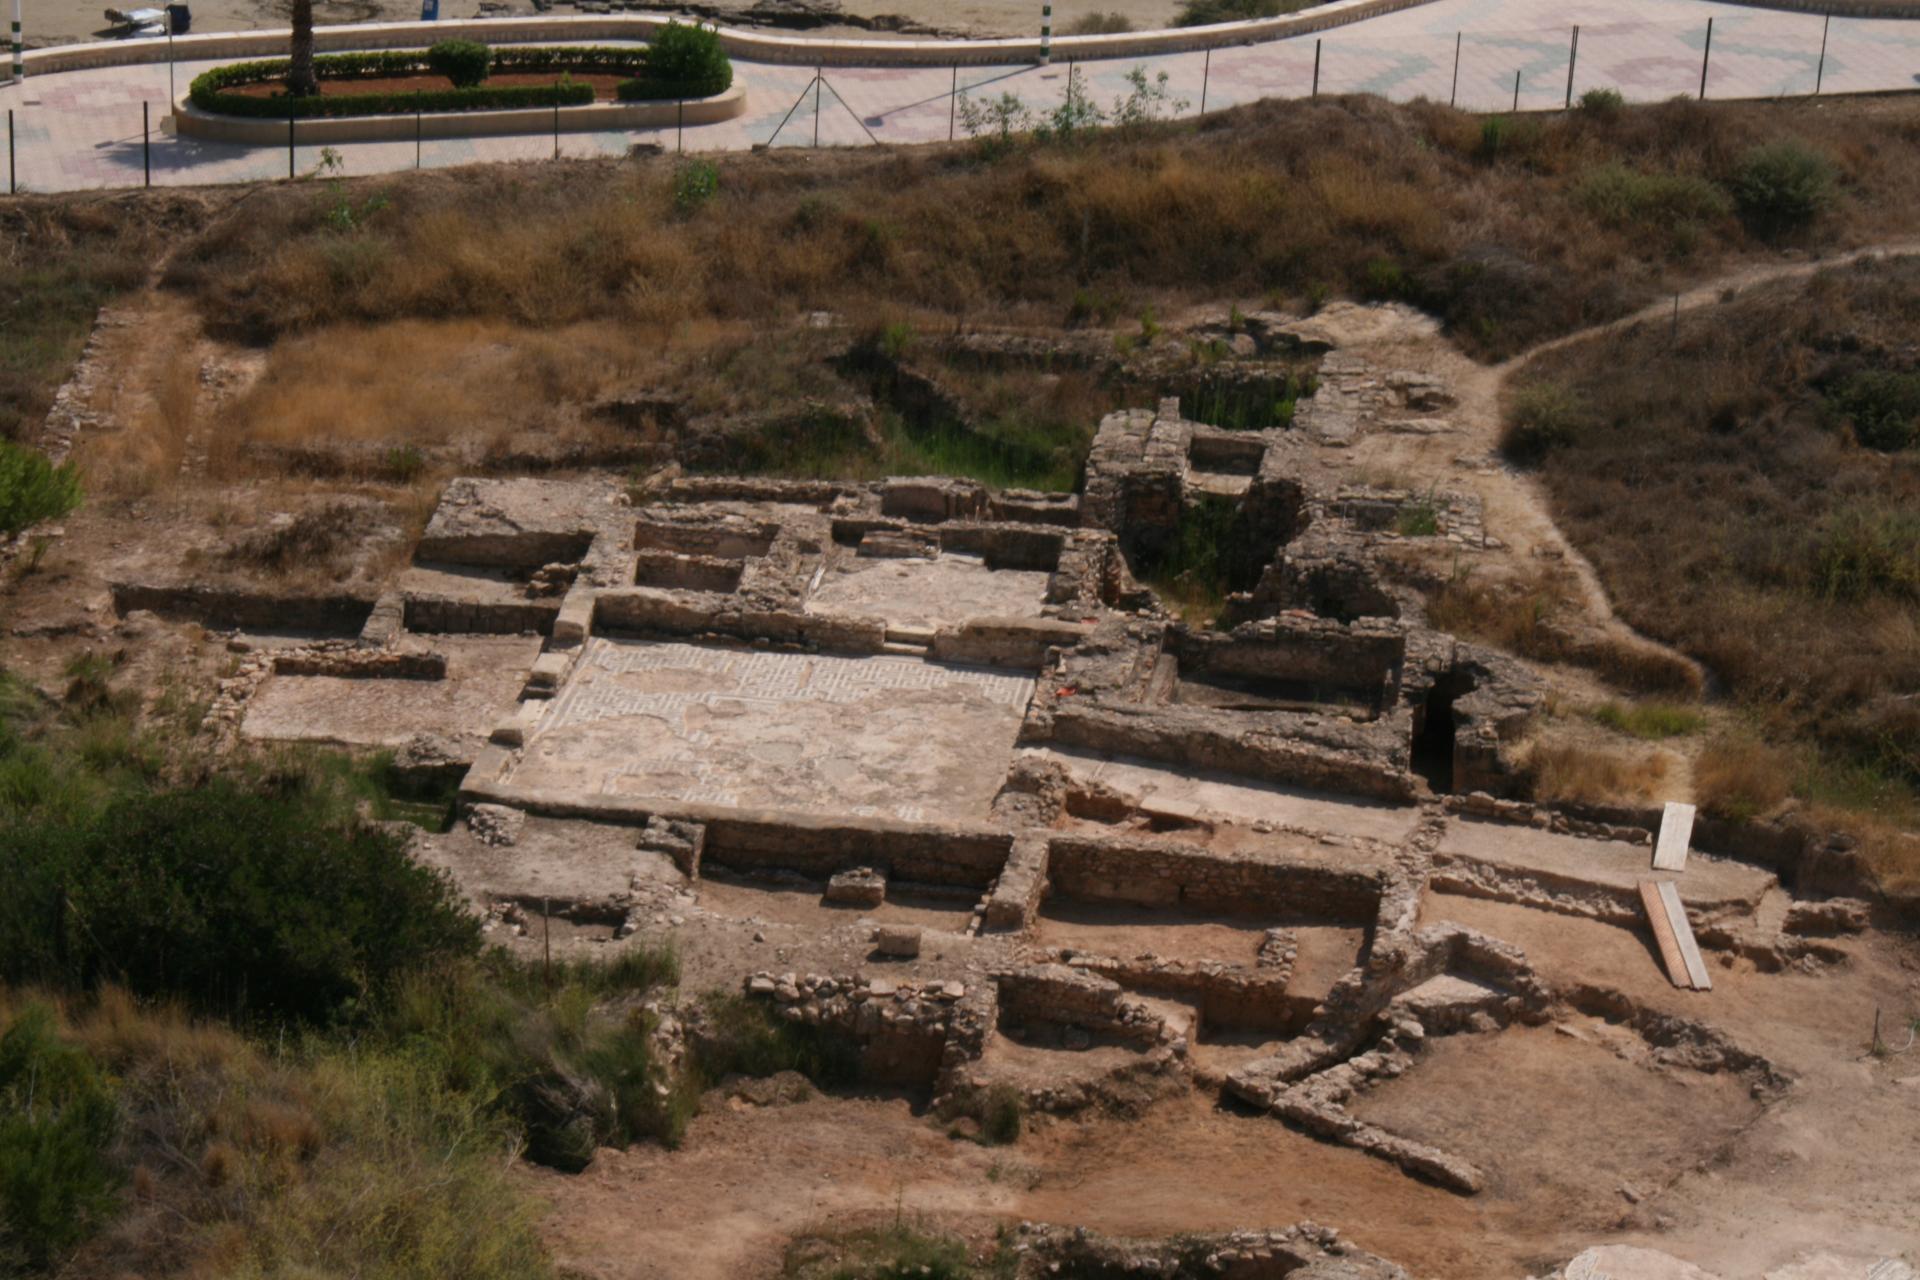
(596, 117)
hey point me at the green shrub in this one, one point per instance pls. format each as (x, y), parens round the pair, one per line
(209, 90)
(1201, 13)
(465, 62)
(1543, 417)
(694, 183)
(1652, 720)
(1099, 24)
(741, 1037)
(57, 1119)
(32, 489)
(1417, 520)
(1602, 104)
(1620, 196)
(265, 905)
(1882, 407)
(683, 61)
(1869, 551)
(1782, 186)
(1002, 1113)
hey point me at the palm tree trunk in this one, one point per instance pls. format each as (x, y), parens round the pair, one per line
(301, 82)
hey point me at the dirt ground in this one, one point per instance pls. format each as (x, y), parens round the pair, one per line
(869, 19)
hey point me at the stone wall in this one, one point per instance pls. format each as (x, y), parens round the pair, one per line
(647, 611)
(819, 847)
(1364, 656)
(336, 614)
(1005, 642)
(443, 614)
(1146, 872)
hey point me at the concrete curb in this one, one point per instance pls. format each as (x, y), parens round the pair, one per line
(750, 46)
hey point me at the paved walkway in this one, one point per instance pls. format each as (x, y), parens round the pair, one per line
(82, 129)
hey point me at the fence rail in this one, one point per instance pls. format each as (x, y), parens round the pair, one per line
(111, 127)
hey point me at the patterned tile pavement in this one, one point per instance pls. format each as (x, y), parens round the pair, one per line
(83, 129)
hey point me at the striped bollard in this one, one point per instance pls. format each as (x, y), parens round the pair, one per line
(19, 50)
(1046, 33)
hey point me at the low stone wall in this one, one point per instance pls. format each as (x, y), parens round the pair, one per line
(1227, 996)
(1056, 994)
(442, 614)
(190, 121)
(901, 1028)
(1145, 872)
(1005, 642)
(818, 847)
(687, 614)
(1363, 656)
(216, 607)
(1201, 740)
(674, 570)
(1023, 879)
(362, 664)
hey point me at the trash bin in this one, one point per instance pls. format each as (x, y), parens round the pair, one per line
(179, 19)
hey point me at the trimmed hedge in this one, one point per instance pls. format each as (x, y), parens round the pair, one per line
(698, 67)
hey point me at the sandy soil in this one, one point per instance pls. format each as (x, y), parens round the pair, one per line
(868, 19)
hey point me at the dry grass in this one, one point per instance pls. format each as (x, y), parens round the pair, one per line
(1536, 616)
(1721, 495)
(1740, 777)
(1286, 198)
(1569, 770)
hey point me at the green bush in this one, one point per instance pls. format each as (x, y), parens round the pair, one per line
(1620, 196)
(1201, 13)
(1544, 416)
(683, 61)
(739, 1037)
(1869, 551)
(1782, 186)
(264, 905)
(1652, 720)
(1002, 1112)
(695, 182)
(1882, 407)
(465, 62)
(32, 489)
(1602, 104)
(209, 91)
(57, 1119)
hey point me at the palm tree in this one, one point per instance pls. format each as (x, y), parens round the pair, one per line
(301, 82)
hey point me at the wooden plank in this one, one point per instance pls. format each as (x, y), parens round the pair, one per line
(1663, 934)
(1683, 934)
(1676, 829)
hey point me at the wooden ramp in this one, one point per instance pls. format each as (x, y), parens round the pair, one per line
(1676, 829)
(1678, 950)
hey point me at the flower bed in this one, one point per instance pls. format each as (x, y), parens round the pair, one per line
(682, 63)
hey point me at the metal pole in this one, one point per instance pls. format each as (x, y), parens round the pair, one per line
(13, 187)
(1206, 74)
(416, 130)
(1453, 94)
(1316, 68)
(1819, 77)
(680, 128)
(1573, 57)
(1705, 53)
(816, 106)
(556, 131)
(289, 137)
(146, 142)
(1046, 33)
(953, 101)
(1516, 90)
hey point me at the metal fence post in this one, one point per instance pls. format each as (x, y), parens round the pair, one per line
(1453, 94)
(816, 106)
(146, 143)
(680, 128)
(289, 137)
(1819, 76)
(13, 187)
(953, 101)
(1516, 90)
(556, 131)
(1573, 58)
(416, 131)
(1706, 52)
(1316, 68)
(1206, 74)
